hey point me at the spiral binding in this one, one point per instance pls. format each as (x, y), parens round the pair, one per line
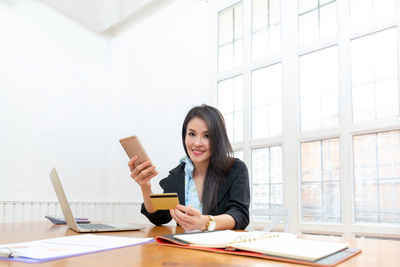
(251, 238)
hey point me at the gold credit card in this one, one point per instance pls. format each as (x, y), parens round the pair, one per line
(164, 201)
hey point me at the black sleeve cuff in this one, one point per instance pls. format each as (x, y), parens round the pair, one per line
(158, 218)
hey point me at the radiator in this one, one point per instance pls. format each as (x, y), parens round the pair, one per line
(117, 212)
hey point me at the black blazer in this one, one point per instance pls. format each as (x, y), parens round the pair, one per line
(233, 196)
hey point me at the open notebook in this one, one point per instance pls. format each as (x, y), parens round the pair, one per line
(277, 246)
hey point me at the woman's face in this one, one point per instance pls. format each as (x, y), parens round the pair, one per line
(197, 141)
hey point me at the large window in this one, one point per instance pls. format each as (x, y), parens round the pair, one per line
(310, 94)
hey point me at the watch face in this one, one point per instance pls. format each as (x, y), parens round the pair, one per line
(211, 226)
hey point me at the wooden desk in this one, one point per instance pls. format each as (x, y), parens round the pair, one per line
(375, 252)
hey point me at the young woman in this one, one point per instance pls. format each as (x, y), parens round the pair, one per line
(213, 188)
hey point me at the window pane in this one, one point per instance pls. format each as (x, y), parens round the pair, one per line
(328, 20)
(238, 126)
(274, 12)
(274, 39)
(225, 96)
(238, 93)
(266, 102)
(307, 5)
(230, 103)
(311, 202)
(311, 161)
(377, 177)
(239, 155)
(316, 20)
(276, 164)
(225, 27)
(238, 20)
(259, 122)
(363, 102)
(225, 57)
(260, 14)
(329, 109)
(375, 93)
(260, 44)
(323, 2)
(366, 11)
(321, 181)
(259, 83)
(230, 34)
(265, 28)
(384, 8)
(308, 27)
(319, 97)
(267, 179)
(387, 101)
(275, 119)
(238, 53)
(229, 125)
(331, 156)
(260, 166)
(386, 54)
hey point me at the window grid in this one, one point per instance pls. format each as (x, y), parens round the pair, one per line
(318, 8)
(272, 180)
(268, 104)
(345, 130)
(326, 151)
(232, 109)
(230, 51)
(319, 82)
(374, 144)
(374, 73)
(308, 11)
(370, 11)
(267, 29)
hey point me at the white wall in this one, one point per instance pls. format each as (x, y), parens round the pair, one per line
(67, 95)
(161, 68)
(53, 103)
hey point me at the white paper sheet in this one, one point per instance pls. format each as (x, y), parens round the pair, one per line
(70, 245)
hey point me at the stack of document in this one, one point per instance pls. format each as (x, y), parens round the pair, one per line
(55, 248)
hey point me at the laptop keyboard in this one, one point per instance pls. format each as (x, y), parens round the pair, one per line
(95, 226)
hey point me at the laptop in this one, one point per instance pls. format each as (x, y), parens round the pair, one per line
(87, 227)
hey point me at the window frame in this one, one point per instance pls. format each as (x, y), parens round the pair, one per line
(292, 137)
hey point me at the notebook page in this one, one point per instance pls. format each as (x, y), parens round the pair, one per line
(296, 248)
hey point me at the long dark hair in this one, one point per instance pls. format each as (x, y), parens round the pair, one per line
(221, 159)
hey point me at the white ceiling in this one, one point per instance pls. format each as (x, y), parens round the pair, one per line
(101, 15)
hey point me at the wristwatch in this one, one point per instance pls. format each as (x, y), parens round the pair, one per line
(211, 223)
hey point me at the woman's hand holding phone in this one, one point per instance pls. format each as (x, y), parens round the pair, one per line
(143, 172)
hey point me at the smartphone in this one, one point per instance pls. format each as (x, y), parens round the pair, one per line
(132, 146)
(164, 201)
